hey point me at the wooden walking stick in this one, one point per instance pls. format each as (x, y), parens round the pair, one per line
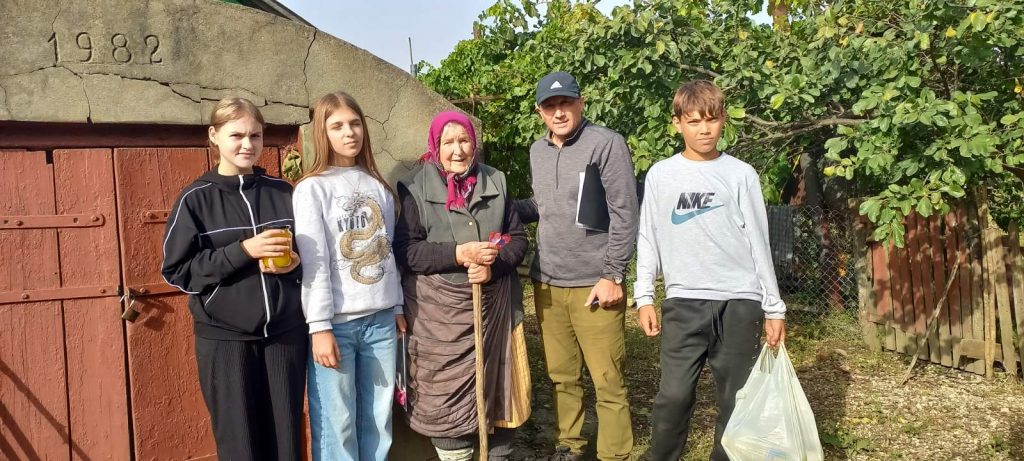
(499, 240)
(478, 342)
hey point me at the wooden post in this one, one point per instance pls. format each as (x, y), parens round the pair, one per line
(868, 307)
(955, 255)
(903, 304)
(988, 240)
(973, 233)
(918, 289)
(939, 265)
(1004, 317)
(478, 343)
(1017, 268)
(881, 287)
(928, 285)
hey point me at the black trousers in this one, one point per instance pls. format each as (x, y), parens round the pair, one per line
(499, 444)
(254, 391)
(726, 334)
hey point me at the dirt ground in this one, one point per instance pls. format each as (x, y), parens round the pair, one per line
(862, 411)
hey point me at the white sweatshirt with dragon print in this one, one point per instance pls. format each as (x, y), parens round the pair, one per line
(344, 224)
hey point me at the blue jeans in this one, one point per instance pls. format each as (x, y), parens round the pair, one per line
(350, 407)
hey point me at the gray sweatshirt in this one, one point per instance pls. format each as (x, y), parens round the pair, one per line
(567, 255)
(703, 226)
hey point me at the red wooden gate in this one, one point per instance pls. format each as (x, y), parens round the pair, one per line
(75, 380)
(62, 389)
(169, 417)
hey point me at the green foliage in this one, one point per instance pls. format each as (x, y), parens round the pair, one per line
(997, 444)
(912, 102)
(845, 440)
(291, 165)
(914, 429)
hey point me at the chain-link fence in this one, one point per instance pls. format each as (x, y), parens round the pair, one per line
(813, 250)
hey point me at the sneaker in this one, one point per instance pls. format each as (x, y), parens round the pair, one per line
(563, 453)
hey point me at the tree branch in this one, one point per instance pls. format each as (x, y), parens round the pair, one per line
(700, 70)
(805, 127)
(761, 121)
(1017, 171)
(713, 74)
(474, 99)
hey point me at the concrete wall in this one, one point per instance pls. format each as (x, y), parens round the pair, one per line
(168, 61)
(165, 62)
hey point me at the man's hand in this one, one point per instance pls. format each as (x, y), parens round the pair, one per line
(606, 294)
(774, 332)
(273, 269)
(325, 349)
(648, 319)
(400, 323)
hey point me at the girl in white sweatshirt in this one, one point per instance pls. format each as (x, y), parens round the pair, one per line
(351, 291)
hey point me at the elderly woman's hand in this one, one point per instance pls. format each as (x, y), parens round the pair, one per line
(478, 273)
(482, 253)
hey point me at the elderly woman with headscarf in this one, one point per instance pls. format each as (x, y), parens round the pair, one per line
(450, 206)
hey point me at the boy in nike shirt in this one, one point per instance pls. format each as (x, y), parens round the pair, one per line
(704, 228)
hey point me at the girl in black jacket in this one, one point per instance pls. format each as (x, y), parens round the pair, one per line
(223, 238)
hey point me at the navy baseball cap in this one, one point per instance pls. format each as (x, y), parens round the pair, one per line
(557, 84)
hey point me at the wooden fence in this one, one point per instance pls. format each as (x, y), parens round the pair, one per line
(980, 320)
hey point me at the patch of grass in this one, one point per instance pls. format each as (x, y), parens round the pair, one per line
(846, 440)
(997, 444)
(913, 429)
(811, 335)
(823, 325)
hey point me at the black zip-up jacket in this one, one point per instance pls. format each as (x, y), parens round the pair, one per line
(228, 295)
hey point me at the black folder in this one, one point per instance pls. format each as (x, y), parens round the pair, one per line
(592, 204)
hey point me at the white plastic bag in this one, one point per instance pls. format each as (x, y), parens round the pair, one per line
(772, 419)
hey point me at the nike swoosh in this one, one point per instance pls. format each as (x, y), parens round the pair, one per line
(681, 218)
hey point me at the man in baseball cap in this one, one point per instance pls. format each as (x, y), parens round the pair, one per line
(578, 269)
(557, 84)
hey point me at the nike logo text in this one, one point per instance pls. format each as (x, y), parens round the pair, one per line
(681, 218)
(698, 202)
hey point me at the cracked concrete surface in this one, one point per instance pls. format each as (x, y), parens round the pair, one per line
(186, 90)
(305, 66)
(392, 109)
(211, 94)
(207, 50)
(115, 99)
(396, 168)
(52, 94)
(4, 113)
(53, 24)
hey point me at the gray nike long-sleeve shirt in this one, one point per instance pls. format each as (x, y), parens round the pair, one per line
(703, 226)
(567, 255)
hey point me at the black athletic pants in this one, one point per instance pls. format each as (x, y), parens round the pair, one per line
(727, 334)
(254, 391)
(499, 444)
